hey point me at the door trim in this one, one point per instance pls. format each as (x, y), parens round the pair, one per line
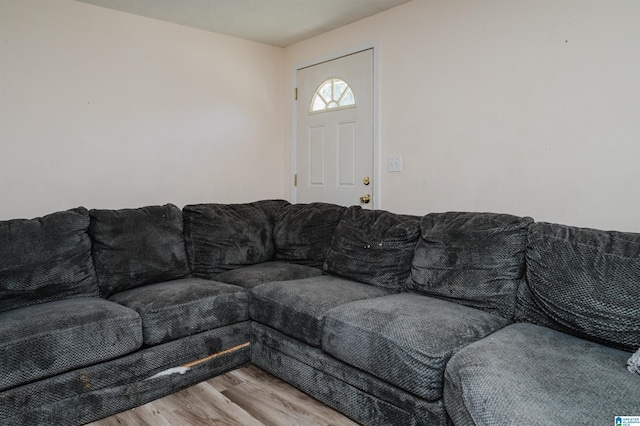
(375, 47)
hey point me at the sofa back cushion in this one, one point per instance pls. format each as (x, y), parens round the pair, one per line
(221, 237)
(475, 259)
(373, 247)
(46, 259)
(583, 282)
(135, 247)
(303, 232)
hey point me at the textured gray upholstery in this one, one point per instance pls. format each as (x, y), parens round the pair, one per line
(530, 375)
(405, 339)
(475, 259)
(584, 282)
(104, 389)
(303, 232)
(51, 338)
(134, 247)
(324, 283)
(46, 259)
(180, 308)
(373, 247)
(297, 308)
(361, 396)
(251, 276)
(221, 237)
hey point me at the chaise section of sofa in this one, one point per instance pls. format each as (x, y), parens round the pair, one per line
(528, 374)
(565, 362)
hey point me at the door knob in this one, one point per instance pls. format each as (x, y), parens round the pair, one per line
(366, 180)
(365, 199)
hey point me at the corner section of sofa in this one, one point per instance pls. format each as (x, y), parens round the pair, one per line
(380, 358)
(565, 361)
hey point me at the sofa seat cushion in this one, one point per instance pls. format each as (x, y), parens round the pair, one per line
(46, 259)
(222, 237)
(405, 339)
(251, 276)
(526, 374)
(298, 307)
(136, 247)
(373, 247)
(180, 308)
(51, 338)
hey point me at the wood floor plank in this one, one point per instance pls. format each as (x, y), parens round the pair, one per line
(275, 402)
(244, 397)
(252, 373)
(257, 376)
(146, 415)
(225, 381)
(203, 405)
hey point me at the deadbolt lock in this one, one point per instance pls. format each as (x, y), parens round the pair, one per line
(366, 180)
(365, 199)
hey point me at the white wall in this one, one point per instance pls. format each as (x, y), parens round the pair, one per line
(109, 110)
(530, 107)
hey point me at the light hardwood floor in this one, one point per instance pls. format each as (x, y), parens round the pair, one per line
(244, 397)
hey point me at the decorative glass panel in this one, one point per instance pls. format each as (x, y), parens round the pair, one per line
(318, 104)
(325, 91)
(347, 97)
(338, 88)
(333, 94)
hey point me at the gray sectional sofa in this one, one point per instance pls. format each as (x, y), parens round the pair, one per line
(449, 318)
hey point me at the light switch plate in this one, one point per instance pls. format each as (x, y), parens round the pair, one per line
(395, 163)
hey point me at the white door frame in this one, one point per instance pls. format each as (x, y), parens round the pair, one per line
(375, 46)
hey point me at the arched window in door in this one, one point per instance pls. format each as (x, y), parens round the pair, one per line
(333, 94)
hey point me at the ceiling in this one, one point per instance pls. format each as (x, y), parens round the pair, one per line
(276, 22)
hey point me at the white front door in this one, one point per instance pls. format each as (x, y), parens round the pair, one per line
(334, 137)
